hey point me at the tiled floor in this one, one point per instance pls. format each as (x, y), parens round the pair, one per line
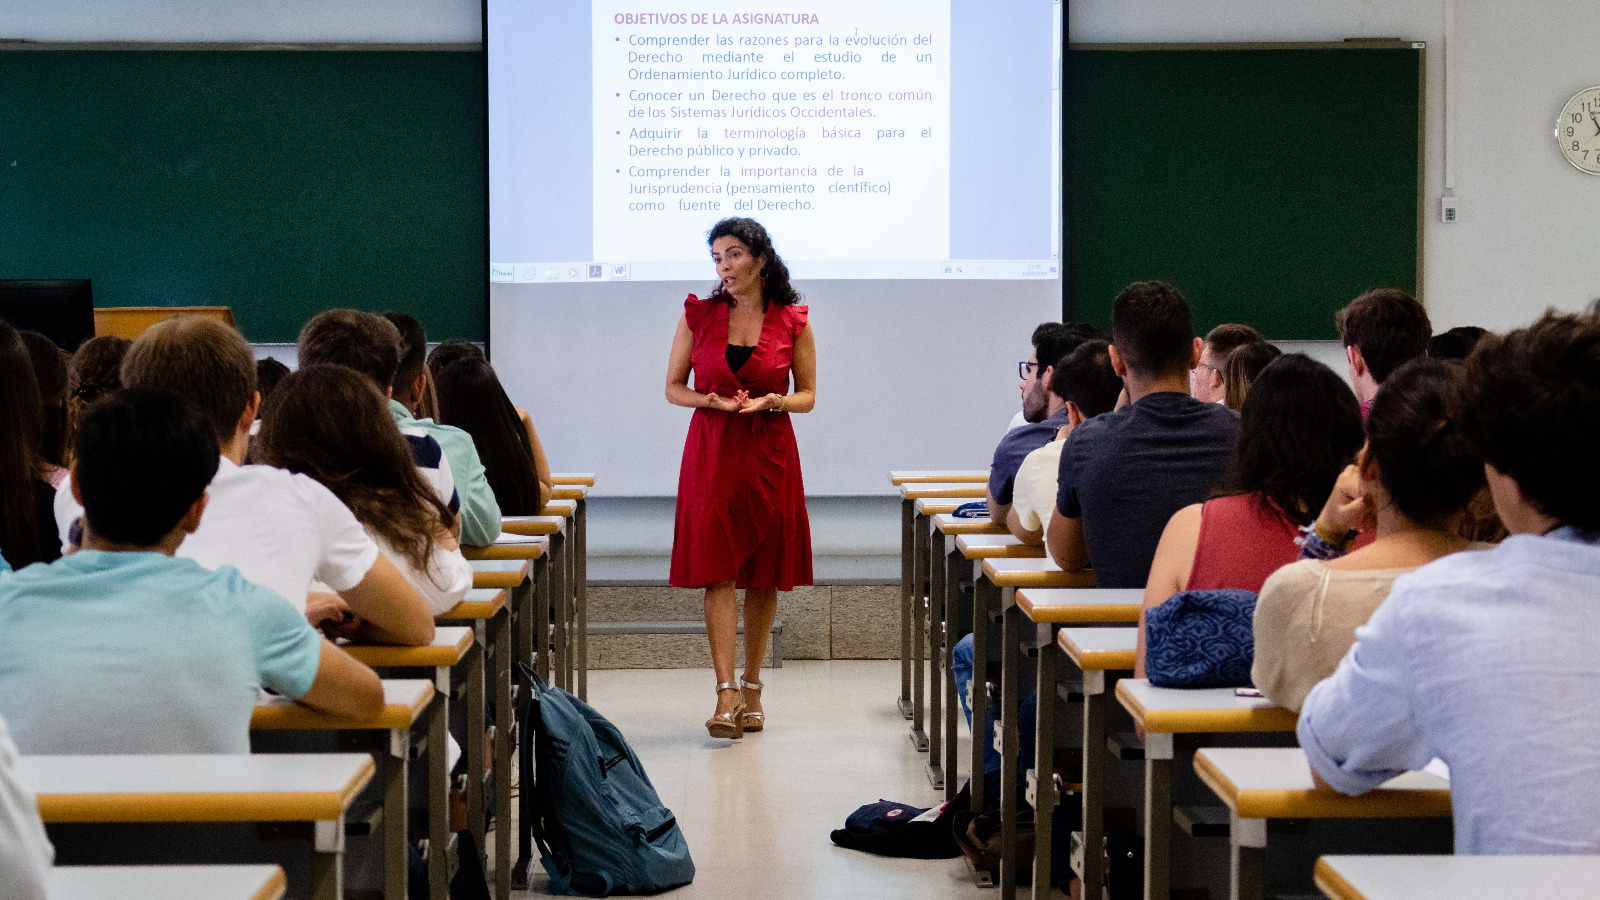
(757, 813)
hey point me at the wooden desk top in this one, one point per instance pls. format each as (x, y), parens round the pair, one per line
(166, 883)
(969, 476)
(569, 491)
(403, 701)
(510, 546)
(1099, 649)
(952, 526)
(937, 507)
(942, 491)
(1199, 710)
(1457, 877)
(563, 508)
(532, 525)
(1080, 606)
(1033, 573)
(480, 603)
(1275, 783)
(996, 546)
(500, 573)
(449, 646)
(584, 478)
(261, 787)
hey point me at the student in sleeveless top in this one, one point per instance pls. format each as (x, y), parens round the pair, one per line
(1413, 482)
(1300, 427)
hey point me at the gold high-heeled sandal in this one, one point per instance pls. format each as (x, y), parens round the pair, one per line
(728, 725)
(752, 721)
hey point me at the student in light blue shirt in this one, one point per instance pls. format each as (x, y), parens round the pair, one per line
(1490, 661)
(480, 509)
(122, 648)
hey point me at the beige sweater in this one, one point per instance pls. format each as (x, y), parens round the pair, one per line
(1306, 619)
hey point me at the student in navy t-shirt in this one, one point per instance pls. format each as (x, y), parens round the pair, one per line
(123, 648)
(1044, 414)
(1125, 473)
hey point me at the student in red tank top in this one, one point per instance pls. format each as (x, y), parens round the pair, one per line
(1301, 426)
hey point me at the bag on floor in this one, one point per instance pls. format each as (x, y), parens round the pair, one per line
(977, 835)
(887, 828)
(1201, 639)
(597, 819)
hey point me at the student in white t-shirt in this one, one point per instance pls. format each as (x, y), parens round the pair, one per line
(25, 852)
(330, 422)
(280, 530)
(1084, 383)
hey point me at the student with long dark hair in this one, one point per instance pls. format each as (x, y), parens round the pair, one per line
(1300, 427)
(471, 398)
(330, 423)
(26, 520)
(1411, 483)
(93, 372)
(50, 374)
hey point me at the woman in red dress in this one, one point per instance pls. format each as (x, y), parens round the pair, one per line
(741, 520)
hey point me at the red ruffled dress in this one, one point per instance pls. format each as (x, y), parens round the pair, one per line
(741, 502)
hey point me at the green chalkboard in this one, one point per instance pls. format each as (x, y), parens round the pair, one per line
(279, 183)
(1271, 184)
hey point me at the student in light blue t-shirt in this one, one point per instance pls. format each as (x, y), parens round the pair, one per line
(122, 648)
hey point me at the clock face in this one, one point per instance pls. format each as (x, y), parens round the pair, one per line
(1578, 130)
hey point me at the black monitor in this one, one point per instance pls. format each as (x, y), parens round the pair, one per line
(60, 309)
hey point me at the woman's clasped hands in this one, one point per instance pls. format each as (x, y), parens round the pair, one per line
(742, 402)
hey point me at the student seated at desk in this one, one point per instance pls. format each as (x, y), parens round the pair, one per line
(1382, 330)
(1206, 381)
(472, 398)
(1488, 660)
(370, 344)
(1241, 370)
(1300, 428)
(1087, 386)
(25, 851)
(25, 532)
(123, 648)
(1412, 482)
(281, 530)
(480, 509)
(1049, 331)
(1125, 473)
(95, 371)
(1044, 410)
(328, 422)
(50, 374)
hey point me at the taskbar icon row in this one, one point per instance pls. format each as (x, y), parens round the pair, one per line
(524, 273)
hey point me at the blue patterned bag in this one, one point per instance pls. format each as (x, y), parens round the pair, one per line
(1201, 639)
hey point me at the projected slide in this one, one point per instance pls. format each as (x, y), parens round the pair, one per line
(874, 138)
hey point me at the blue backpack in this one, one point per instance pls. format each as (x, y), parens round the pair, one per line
(1201, 639)
(600, 826)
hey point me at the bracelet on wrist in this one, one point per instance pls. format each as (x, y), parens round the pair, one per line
(1336, 540)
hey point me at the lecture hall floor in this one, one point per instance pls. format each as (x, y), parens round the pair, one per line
(757, 812)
